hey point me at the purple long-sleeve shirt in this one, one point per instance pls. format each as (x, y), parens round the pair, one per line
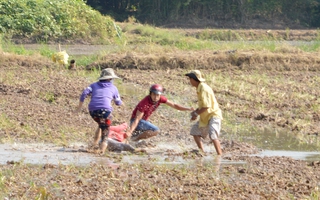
(102, 94)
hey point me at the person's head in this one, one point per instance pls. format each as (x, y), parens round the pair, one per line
(155, 91)
(195, 77)
(107, 75)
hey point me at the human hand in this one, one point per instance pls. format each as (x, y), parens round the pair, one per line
(128, 134)
(194, 115)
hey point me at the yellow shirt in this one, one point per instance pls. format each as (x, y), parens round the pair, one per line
(206, 99)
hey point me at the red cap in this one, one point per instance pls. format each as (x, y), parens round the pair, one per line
(156, 88)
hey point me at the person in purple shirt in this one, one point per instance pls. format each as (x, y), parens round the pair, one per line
(102, 94)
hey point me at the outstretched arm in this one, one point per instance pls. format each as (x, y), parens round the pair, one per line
(135, 123)
(178, 107)
(84, 94)
(79, 107)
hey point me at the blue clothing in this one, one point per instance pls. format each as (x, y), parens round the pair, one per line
(145, 125)
(102, 93)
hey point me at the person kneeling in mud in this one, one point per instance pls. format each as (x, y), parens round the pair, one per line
(140, 127)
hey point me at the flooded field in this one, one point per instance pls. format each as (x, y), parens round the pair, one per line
(269, 135)
(162, 154)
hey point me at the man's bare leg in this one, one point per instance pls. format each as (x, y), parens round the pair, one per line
(97, 136)
(197, 139)
(145, 135)
(216, 144)
(104, 140)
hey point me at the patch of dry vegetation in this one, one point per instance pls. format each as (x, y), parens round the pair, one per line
(263, 178)
(281, 60)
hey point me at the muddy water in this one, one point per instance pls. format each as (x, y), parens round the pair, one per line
(48, 154)
(160, 154)
(270, 139)
(297, 155)
(170, 154)
(77, 155)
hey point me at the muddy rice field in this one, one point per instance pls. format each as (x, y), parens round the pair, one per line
(45, 146)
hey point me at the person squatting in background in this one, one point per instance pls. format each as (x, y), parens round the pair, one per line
(140, 127)
(102, 94)
(209, 111)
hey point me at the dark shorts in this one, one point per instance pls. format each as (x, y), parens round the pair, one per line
(102, 117)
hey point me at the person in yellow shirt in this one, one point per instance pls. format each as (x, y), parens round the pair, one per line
(208, 109)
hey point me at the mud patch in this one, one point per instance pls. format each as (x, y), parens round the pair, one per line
(160, 154)
(297, 155)
(49, 154)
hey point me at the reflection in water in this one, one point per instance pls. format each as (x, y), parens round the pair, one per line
(215, 163)
(298, 155)
(47, 154)
(271, 139)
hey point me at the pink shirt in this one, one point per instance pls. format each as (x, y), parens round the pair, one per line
(147, 107)
(118, 132)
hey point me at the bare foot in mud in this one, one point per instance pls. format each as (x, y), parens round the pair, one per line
(94, 148)
(198, 152)
(143, 143)
(142, 150)
(103, 147)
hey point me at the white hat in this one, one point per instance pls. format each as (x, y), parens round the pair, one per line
(107, 73)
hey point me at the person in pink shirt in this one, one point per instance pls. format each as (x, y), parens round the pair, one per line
(117, 139)
(140, 127)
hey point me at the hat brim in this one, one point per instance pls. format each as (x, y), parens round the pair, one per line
(108, 77)
(156, 92)
(192, 75)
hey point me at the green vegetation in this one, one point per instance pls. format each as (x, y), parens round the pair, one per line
(61, 20)
(221, 13)
(43, 21)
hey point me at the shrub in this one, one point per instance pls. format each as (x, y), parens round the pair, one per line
(46, 20)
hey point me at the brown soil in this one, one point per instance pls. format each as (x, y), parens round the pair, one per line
(38, 97)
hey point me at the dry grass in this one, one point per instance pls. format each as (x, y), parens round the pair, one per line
(268, 178)
(258, 88)
(246, 60)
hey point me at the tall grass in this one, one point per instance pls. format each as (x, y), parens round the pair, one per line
(215, 40)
